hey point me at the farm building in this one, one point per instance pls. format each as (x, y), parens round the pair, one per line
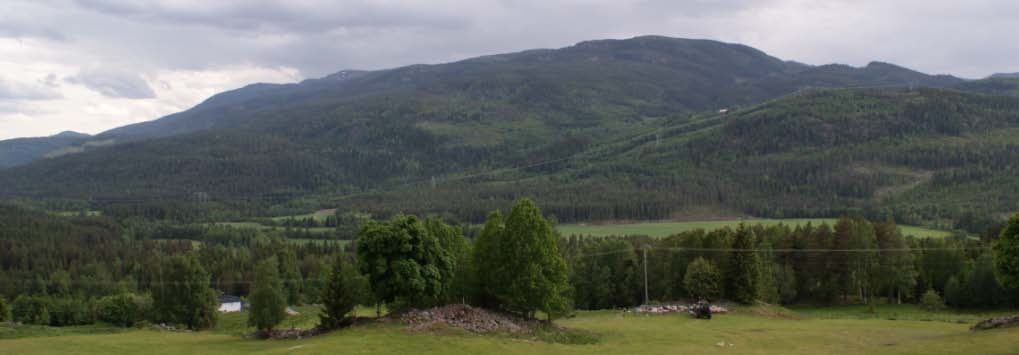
(229, 303)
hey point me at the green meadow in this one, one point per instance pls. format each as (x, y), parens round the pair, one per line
(664, 229)
(746, 331)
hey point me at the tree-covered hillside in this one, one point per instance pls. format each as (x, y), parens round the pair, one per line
(612, 129)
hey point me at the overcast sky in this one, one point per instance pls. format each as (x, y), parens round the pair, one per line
(91, 65)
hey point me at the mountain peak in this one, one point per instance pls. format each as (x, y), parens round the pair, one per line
(71, 134)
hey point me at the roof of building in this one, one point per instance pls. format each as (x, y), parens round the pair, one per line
(229, 299)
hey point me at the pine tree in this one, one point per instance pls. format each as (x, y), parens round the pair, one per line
(338, 298)
(745, 265)
(268, 302)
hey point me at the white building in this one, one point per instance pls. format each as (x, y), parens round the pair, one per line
(229, 303)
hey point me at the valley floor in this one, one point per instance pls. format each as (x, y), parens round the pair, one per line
(748, 333)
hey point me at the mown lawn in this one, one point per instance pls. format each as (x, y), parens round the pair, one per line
(664, 229)
(633, 334)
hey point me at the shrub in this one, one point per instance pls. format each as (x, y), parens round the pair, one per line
(5, 310)
(31, 310)
(702, 280)
(123, 309)
(67, 311)
(931, 301)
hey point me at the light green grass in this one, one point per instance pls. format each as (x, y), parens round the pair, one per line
(302, 241)
(664, 229)
(660, 334)
(320, 216)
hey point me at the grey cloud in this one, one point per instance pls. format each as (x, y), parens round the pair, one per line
(280, 16)
(114, 83)
(18, 29)
(13, 90)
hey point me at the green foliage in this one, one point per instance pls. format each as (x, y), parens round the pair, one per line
(5, 310)
(931, 301)
(606, 276)
(125, 309)
(702, 280)
(1006, 254)
(290, 276)
(31, 310)
(487, 258)
(455, 278)
(404, 262)
(339, 298)
(529, 275)
(68, 311)
(268, 301)
(181, 294)
(745, 264)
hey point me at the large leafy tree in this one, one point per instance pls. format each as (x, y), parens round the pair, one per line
(532, 275)
(744, 266)
(1006, 254)
(404, 263)
(182, 295)
(455, 280)
(268, 301)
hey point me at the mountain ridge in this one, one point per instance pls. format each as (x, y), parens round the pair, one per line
(360, 132)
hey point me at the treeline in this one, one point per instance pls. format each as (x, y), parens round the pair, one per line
(854, 261)
(77, 270)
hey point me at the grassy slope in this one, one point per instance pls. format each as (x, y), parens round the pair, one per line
(663, 229)
(636, 334)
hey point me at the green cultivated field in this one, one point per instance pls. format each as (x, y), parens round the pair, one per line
(660, 334)
(664, 229)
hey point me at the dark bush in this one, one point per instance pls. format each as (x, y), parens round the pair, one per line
(123, 309)
(70, 311)
(31, 310)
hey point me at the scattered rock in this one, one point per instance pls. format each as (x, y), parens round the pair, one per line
(676, 308)
(475, 320)
(1000, 322)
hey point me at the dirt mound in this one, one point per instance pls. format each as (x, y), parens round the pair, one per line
(475, 320)
(1000, 322)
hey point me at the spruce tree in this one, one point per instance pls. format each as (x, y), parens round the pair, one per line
(1006, 254)
(486, 258)
(268, 302)
(745, 265)
(702, 280)
(338, 299)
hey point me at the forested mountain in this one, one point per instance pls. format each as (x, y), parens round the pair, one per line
(608, 129)
(20, 151)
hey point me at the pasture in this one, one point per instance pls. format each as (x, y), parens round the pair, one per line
(747, 331)
(664, 229)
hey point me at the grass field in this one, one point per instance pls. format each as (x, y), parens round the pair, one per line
(664, 229)
(748, 333)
